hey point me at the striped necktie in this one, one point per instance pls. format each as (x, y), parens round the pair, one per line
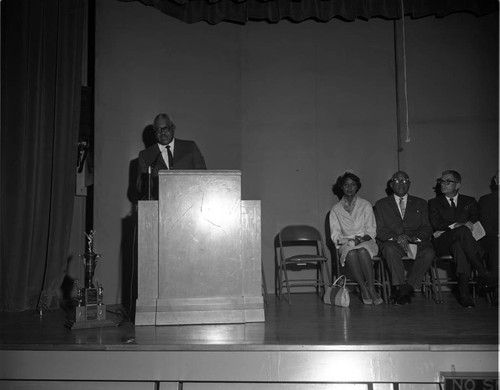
(402, 206)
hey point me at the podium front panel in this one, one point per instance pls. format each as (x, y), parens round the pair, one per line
(199, 236)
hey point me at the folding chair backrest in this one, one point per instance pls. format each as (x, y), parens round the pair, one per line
(300, 233)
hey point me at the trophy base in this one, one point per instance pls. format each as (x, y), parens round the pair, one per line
(90, 324)
(87, 317)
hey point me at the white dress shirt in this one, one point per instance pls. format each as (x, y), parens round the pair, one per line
(164, 152)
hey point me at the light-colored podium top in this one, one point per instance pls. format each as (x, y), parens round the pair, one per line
(198, 172)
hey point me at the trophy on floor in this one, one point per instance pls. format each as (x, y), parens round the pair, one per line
(90, 309)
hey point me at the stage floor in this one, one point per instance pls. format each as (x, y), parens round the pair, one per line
(308, 345)
(305, 324)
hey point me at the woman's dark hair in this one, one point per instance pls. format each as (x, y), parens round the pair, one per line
(337, 187)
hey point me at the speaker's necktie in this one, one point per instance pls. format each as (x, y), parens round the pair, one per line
(402, 206)
(170, 157)
(452, 204)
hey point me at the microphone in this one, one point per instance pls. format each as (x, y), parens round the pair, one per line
(149, 182)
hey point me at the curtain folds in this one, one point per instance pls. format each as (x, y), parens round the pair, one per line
(242, 11)
(41, 83)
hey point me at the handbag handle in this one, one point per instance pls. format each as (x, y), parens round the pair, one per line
(342, 278)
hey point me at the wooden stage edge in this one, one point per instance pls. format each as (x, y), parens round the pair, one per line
(306, 344)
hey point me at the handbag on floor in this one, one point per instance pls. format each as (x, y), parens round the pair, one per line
(337, 294)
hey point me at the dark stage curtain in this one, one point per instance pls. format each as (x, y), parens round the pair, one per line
(242, 11)
(41, 83)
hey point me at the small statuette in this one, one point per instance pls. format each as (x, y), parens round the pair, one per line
(89, 259)
(100, 296)
(90, 241)
(81, 296)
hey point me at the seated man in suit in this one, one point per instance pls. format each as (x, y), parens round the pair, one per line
(453, 216)
(168, 153)
(403, 219)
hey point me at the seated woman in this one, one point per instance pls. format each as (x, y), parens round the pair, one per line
(353, 227)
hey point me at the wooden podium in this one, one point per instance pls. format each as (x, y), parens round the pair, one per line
(199, 251)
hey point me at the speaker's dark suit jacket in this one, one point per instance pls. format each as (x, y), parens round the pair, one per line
(187, 155)
(414, 224)
(442, 215)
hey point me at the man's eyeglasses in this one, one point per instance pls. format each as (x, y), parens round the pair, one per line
(400, 181)
(446, 182)
(165, 129)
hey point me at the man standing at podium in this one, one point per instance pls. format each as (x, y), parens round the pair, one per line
(168, 153)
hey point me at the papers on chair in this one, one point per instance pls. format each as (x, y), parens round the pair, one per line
(412, 251)
(478, 231)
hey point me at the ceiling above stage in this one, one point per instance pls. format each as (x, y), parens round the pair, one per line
(244, 11)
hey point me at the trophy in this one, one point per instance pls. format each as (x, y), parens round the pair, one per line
(90, 309)
(89, 259)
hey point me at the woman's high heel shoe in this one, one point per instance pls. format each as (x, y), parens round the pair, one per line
(366, 301)
(376, 298)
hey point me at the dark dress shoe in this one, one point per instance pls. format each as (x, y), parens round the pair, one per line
(467, 301)
(395, 294)
(406, 289)
(404, 299)
(404, 295)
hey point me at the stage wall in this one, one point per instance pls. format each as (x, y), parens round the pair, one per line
(292, 106)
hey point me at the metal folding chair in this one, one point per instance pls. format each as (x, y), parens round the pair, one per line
(448, 280)
(301, 247)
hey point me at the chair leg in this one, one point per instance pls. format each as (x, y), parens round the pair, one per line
(278, 283)
(387, 283)
(287, 285)
(320, 277)
(378, 279)
(264, 284)
(383, 278)
(325, 275)
(318, 274)
(283, 281)
(474, 284)
(428, 285)
(436, 283)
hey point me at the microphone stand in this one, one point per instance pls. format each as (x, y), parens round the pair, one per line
(150, 168)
